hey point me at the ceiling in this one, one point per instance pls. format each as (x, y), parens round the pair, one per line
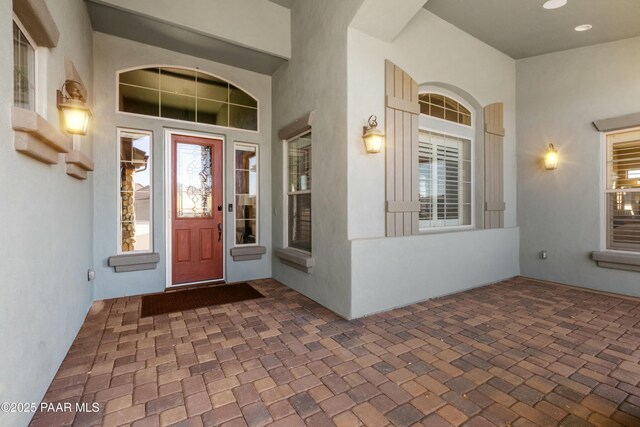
(145, 29)
(522, 28)
(283, 3)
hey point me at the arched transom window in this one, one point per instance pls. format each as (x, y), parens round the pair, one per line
(187, 95)
(443, 107)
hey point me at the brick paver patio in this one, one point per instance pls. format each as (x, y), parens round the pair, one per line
(515, 353)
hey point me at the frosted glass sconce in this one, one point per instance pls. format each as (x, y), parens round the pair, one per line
(551, 158)
(75, 113)
(373, 137)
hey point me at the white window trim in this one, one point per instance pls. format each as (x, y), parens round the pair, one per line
(39, 84)
(236, 146)
(455, 130)
(604, 191)
(119, 131)
(428, 230)
(287, 193)
(206, 125)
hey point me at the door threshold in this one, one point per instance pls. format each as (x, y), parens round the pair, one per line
(183, 286)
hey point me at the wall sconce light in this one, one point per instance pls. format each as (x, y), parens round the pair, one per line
(373, 137)
(551, 158)
(75, 113)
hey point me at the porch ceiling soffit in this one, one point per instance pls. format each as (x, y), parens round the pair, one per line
(385, 19)
(149, 30)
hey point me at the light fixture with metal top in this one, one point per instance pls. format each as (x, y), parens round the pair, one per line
(373, 137)
(75, 112)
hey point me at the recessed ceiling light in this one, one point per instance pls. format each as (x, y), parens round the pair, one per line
(554, 4)
(584, 27)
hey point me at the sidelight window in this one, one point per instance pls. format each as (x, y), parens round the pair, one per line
(135, 191)
(24, 69)
(246, 194)
(298, 182)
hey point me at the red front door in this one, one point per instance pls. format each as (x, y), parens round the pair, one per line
(197, 243)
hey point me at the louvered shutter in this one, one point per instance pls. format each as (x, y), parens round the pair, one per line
(494, 166)
(401, 148)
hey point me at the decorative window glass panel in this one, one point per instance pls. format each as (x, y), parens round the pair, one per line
(622, 196)
(213, 88)
(186, 95)
(298, 171)
(246, 193)
(240, 97)
(24, 70)
(444, 180)
(299, 230)
(178, 81)
(213, 112)
(139, 100)
(445, 108)
(194, 183)
(135, 190)
(148, 78)
(176, 106)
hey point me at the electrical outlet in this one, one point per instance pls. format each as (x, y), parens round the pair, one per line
(91, 275)
(544, 254)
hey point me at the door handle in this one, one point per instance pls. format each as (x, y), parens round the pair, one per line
(219, 232)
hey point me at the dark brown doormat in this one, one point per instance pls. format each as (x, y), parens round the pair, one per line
(171, 302)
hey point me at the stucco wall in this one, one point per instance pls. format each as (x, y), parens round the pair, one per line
(431, 51)
(45, 240)
(112, 54)
(559, 96)
(393, 272)
(316, 79)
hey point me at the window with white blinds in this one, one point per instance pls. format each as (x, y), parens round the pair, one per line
(298, 170)
(444, 180)
(622, 196)
(24, 69)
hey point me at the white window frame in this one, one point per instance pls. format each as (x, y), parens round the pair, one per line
(256, 147)
(119, 131)
(455, 130)
(604, 191)
(38, 74)
(206, 125)
(287, 193)
(449, 224)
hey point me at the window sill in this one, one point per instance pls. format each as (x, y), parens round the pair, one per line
(247, 253)
(134, 262)
(449, 229)
(617, 260)
(36, 137)
(78, 164)
(296, 259)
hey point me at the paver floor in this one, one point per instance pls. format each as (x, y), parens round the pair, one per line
(515, 353)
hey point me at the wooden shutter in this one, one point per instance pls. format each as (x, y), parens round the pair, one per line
(401, 148)
(493, 166)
